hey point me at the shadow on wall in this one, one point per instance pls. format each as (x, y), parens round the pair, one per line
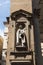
(24, 63)
(3, 61)
(38, 43)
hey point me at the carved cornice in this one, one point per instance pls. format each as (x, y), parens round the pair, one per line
(7, 21)
(16, 15)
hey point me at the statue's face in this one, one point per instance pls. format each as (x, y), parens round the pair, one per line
(21, 26)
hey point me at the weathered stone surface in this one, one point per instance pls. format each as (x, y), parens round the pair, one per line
(21, 4)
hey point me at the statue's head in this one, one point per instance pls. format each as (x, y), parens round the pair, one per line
(21, 26)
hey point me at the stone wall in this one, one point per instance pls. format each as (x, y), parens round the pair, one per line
(21, 4)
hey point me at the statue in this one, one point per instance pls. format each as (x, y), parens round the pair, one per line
(20, 36)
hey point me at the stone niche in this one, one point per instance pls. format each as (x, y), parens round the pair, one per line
(22, 46)
(22, 29)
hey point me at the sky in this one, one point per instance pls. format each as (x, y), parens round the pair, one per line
(4, 12)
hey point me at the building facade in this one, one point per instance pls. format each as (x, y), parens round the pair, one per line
(5, 42)
(25, 33)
